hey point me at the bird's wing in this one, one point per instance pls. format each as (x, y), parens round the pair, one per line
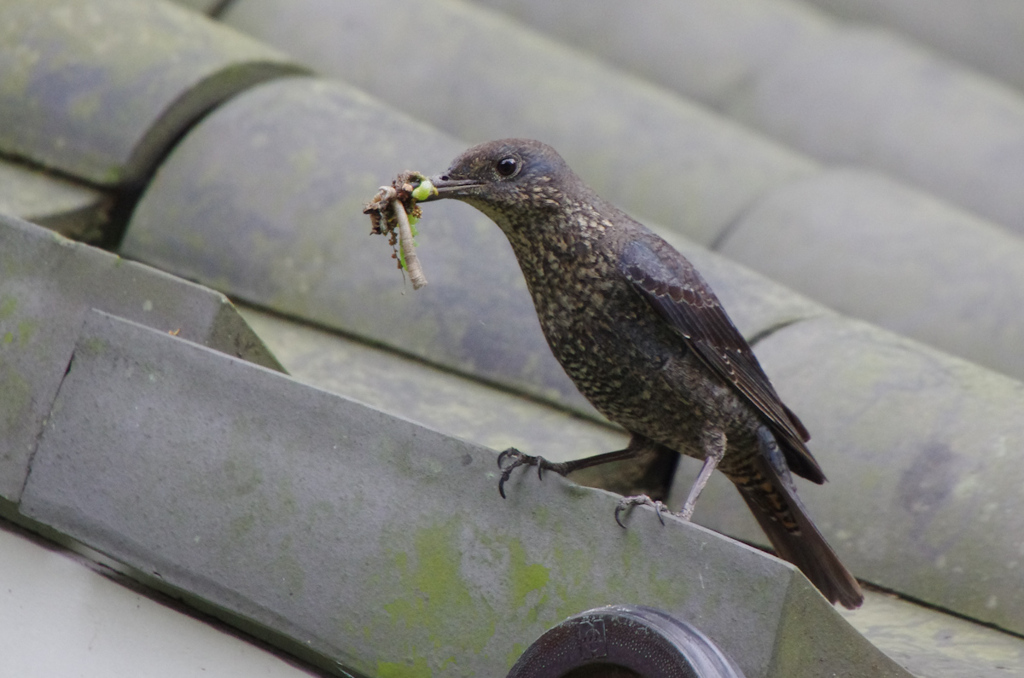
(680, 296)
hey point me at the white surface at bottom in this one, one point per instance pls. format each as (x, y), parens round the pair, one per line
(59, 618)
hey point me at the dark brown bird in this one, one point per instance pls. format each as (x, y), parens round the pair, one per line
(648, 343)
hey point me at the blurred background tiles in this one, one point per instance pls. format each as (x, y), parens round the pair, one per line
(870, 247)
(71, 208)
(97, 91)
(477, 75)
(987, 35)
(840, 92)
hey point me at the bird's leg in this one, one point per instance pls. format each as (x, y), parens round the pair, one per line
(517, 459)
(713, 440)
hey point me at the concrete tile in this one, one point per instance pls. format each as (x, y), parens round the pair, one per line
(931, 644)
(75, 210)
(373, 542)
(449, 64)
(455, 405)
(204, 6)
(47, 285)
(99, 89)
(869, 247)
(867, 97)
(838, 92)
(708, 50)
(439, 399)
(920, 450)
(988, 36)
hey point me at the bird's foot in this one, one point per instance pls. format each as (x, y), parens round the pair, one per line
(511, 459)
(640, 500)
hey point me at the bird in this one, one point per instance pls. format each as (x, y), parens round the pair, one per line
(647, 342)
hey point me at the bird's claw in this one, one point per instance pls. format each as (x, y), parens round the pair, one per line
(640, 500)
(517, 459)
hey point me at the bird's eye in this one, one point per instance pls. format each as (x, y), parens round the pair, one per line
(506, 167)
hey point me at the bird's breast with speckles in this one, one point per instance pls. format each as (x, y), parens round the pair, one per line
(622, 357)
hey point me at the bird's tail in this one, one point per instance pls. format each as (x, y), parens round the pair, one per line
(780, 513)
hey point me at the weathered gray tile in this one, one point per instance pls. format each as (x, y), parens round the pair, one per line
(99, 89)
(931, 644)
(708, 50)
(988, 36)
(885, 103)
(440, 399)
(841, 93)
(872, 248)
(72, 209)
(47, 285)
(452, 65)
(204, 6)
(370, 541)
(922, 451)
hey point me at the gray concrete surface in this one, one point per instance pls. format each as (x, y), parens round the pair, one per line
(86, 91)
(867, 97)
(987, 34)
(872, 248)
(47, 285)
(204, 6)
(370, 541)
(838, 92)
(440, 399)
(707, 50)
(70, 208)
(934, 645)
(478, 76)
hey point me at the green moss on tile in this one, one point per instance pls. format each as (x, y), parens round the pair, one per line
(417, 669)
(8, 305)
(26, 328)
(93, 346)
(15, 398)
(436, 594)
(241, 526)
(515, 653)
(525, 578)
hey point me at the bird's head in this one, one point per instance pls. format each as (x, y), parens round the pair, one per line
(508, 180)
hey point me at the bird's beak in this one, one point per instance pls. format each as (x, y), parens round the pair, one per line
(450, 188)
